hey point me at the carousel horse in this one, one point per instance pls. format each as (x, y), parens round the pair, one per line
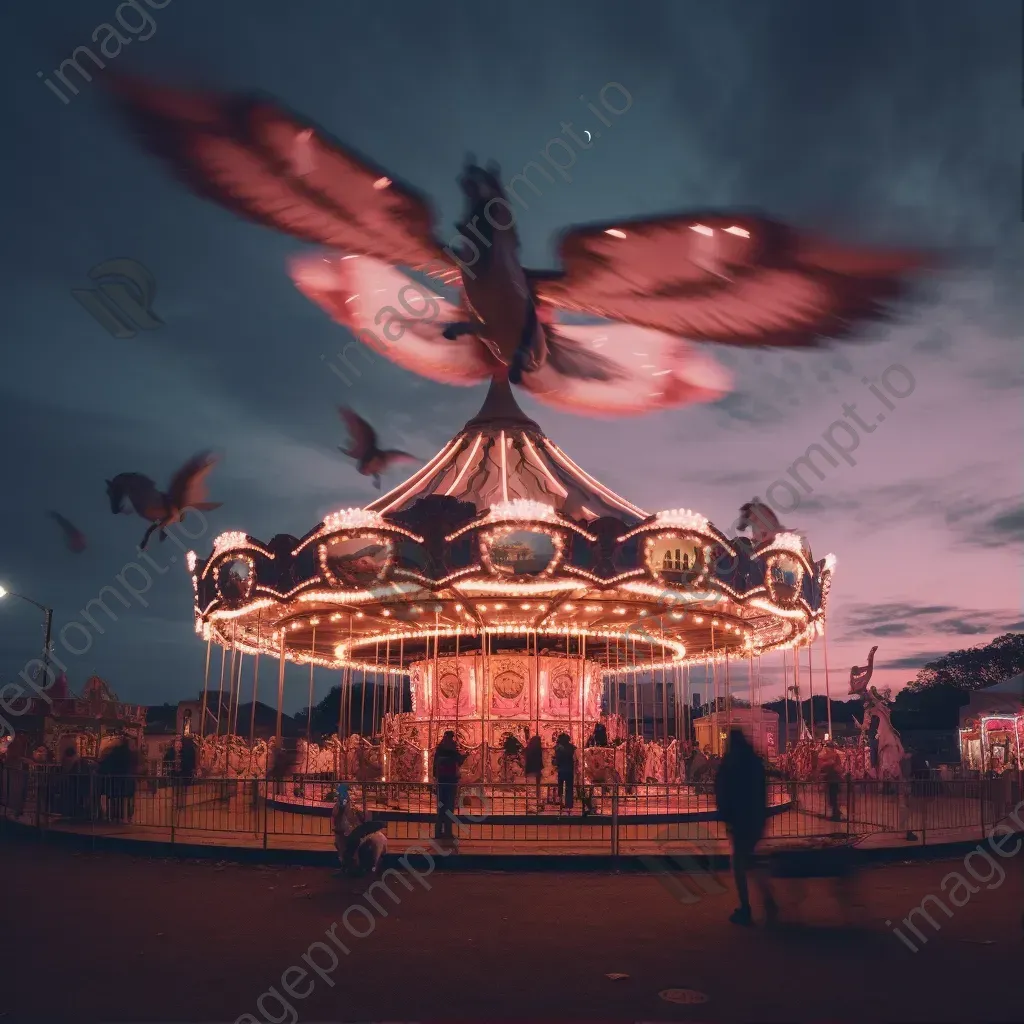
(764, 526)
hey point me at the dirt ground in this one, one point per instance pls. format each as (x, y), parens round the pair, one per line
(109, 936)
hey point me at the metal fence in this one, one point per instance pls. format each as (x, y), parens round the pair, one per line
(494, 817)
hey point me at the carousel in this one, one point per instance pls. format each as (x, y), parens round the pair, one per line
(503, 591)
(992, 728)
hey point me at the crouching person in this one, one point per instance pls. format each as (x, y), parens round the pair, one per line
(352, 832)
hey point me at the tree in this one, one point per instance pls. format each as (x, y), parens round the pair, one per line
(933, 700)
(974, 667)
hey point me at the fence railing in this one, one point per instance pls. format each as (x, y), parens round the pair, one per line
(491, 817)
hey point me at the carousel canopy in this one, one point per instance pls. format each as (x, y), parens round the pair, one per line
(1005, 698)
(502, 539)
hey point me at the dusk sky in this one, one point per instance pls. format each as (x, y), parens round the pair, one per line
(882, 122)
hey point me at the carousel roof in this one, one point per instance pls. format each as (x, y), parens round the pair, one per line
(501, 455)
(502, 535)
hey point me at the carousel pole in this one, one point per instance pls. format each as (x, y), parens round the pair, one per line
(255, 680)
(428, 685)
(785, 696)
(362, 699)
(231, 679)
(585, 692)
(568, 658)
(389, 684)
(435, 688)
(309, 708)
(828, 691)
(654, 693)
(619, 663)
(728, 693)
(687, 709)
(341, 703)
(488, 704)
(220, 690)
(716, 739)
(458, 679)
(536, 682)
(636, 695)
(606, 676)
(280, 687)
(664, 705)
(238, 693)
(796, 681)
(810, 687)
(206, 687)
(376, 689)
(351, 685)
(400, 678)
(675, 705)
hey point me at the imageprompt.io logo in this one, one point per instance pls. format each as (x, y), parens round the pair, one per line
(122, 301)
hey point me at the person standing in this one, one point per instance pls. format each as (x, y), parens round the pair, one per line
(534, 762)
(447, 762)
(186, 770)
(741, 796)
(831, 767)
(511, 751)
(565, 767)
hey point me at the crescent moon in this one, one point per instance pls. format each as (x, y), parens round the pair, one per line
(587, 133)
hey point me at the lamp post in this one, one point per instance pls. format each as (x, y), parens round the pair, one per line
(47, 626)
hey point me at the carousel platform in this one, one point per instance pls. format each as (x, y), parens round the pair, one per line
(225, 821)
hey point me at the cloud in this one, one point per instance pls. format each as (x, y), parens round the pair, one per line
(1005, 528)
(747, 408)
(913, 661)
(906, 619)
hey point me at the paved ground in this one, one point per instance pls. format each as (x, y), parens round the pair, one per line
(115, 937)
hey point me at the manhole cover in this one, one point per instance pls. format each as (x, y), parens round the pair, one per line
(683, 996)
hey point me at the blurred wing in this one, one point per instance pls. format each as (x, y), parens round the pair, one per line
(189, 484)
(393, 315)
(362, 437)
(621, 370)
(391, 456)
(736, 279)
(74, 537)
(269, 166)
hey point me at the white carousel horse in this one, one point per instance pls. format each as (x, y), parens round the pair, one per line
(764, 526)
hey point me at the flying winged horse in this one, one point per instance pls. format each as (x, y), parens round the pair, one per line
(187, 491)
(661, 284)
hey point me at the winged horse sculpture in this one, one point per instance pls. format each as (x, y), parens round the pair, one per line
(661, 284)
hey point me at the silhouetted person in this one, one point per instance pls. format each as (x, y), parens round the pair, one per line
(447, 762)
(831, 765)
(186, 769)
(512, 748)
(115, 767)
(741, 795)
(565, 766)
(533, 764)
(599, 737)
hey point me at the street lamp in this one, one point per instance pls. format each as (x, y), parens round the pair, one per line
(47, 625)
